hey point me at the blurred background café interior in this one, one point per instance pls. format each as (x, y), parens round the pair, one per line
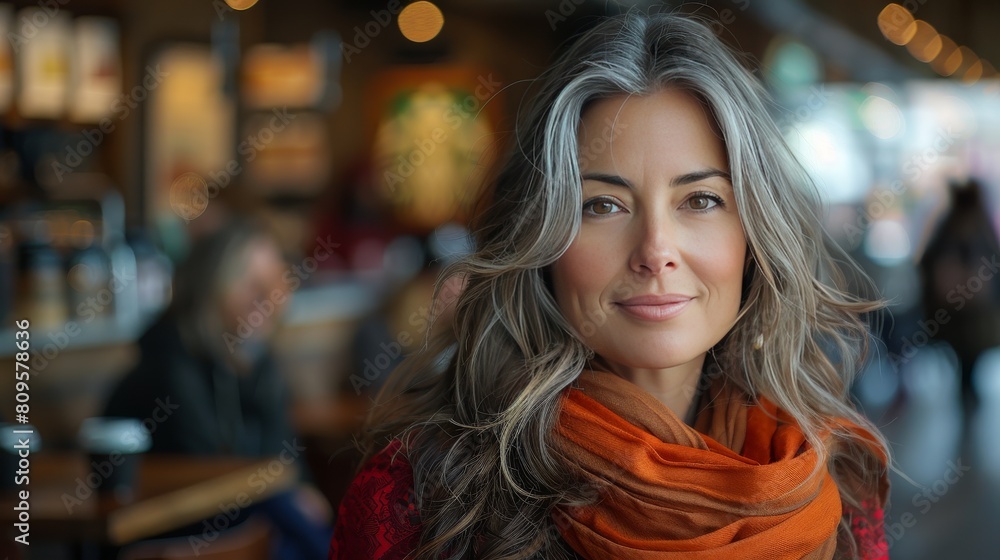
(300, 170)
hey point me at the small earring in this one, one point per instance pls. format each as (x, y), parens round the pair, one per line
(758, 342)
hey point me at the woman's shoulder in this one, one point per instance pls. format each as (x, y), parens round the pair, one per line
(377, 518)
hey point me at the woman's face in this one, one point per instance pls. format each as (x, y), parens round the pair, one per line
(653, 279)
(255, 298)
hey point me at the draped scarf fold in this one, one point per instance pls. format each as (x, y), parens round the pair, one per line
(739, 484)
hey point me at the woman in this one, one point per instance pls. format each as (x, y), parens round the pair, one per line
(652, 354)
(208, 360)
(210, 351)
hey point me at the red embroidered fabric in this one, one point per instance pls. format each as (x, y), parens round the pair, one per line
(868, 526)
(378, 518)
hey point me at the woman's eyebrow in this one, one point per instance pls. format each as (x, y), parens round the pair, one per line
(608, 178)
(700, 175)
(680, 180)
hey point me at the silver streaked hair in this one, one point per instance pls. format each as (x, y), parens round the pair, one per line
(478, 433)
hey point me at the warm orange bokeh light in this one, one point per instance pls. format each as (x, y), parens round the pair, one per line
(896, 24)
(421, 21)
(949, 60)
(241, 4)
(926, 42)
(974, 72)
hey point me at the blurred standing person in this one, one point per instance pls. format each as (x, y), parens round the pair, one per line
(209, 357)
(961, 297)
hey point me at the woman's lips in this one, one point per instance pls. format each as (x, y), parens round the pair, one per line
(656, 308)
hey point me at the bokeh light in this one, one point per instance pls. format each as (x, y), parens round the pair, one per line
(241, 4)
(887, 242)
(896, 24)
(949, 60)
(421, 21)
(881, 117)
(189, 195)
(926, 42)
(974, 73)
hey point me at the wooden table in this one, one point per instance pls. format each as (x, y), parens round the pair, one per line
(338, 417)
(171, 492)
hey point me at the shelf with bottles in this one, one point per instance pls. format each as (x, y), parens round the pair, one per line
(67, 266)
(61, 66)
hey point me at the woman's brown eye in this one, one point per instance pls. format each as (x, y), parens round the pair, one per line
(701, 202)
(602, 207)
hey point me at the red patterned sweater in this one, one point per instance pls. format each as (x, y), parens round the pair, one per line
(378, 518)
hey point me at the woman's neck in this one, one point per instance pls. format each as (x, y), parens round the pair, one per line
(675, 387)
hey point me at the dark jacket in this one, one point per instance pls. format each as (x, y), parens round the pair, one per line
(961, 295)
(198, 407)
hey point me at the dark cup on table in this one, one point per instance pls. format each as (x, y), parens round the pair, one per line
(16, 440)
(114, 447)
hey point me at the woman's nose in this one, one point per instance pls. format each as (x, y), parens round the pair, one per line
(655, 248)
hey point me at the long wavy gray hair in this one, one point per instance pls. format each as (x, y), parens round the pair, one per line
(477, 427)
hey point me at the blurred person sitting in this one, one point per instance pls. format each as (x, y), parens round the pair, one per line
(208, 358)
(960, 296)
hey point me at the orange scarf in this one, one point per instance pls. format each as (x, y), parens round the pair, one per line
(736, 486)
